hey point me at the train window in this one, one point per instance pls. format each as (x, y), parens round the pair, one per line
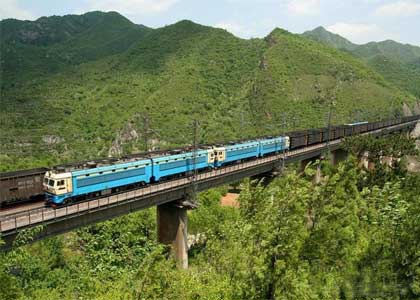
(87, 175)
(46, 180)
(51, 182)
(125, 168)
(113, 170)
(101, 172)
(61, 182)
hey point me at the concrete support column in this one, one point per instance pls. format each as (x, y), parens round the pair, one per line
(338, 156)
(172, 221)
(172, 230)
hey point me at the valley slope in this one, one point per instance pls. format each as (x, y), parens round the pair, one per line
(107, 85)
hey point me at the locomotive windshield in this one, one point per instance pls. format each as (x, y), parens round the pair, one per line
(49, 182)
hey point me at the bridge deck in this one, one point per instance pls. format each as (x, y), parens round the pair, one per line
(83, 213)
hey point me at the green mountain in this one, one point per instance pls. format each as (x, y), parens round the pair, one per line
(150, 89)
(398, 63)
(52, 44)
(320, 34)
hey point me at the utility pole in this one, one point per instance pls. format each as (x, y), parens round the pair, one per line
(329, 124)
(284, 120)
(242, 124)
(194, 172)
(146, 131)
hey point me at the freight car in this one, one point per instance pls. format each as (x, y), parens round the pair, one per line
(314, 136)
(21, 186)
(298, 139)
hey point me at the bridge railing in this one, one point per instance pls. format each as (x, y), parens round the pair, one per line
(14, 222)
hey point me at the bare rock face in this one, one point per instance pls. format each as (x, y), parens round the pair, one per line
(115, 150)
(52, 139)
(416, 108)
(413, 164)
(29, 36)
(406, 110)
(127, 134)
(364, 160)
(415, 134)
(263, 63)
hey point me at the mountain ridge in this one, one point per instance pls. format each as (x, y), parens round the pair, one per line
(397, 62)
(237, 88)
(51, 44)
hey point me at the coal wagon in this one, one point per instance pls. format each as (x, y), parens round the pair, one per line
(21, 186)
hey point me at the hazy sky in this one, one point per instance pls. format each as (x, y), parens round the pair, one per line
(358, 20)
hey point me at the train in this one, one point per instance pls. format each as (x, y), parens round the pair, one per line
(75, 182)
(21, 186)
(64, 185)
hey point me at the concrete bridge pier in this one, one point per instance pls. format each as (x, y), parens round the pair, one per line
(172, 227)
(305, 162)
(338, 156)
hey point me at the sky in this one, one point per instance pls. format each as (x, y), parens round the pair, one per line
(360, 21)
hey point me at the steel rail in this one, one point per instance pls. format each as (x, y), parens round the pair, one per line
(12, 223)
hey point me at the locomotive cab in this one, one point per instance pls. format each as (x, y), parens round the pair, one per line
(220, 153)
(211, 156)
(219, 156)
(287, 142)
(57, 186)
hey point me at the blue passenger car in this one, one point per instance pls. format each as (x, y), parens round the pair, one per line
(272, 145)
(170, 165)
(231, 153)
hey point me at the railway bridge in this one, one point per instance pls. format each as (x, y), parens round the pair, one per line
(170, 197)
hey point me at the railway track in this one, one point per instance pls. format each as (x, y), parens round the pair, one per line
(21, 208)
(29, 217)
(28, 214)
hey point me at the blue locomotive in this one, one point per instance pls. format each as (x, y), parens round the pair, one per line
(63, 186)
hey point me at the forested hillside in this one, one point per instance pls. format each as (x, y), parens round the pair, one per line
(397, 63)
(94, 85)
(30, 49)
(78, 87)
(354, 235)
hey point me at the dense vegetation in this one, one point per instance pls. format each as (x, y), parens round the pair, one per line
(78, 87)
(398, 63)
(347, 237)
